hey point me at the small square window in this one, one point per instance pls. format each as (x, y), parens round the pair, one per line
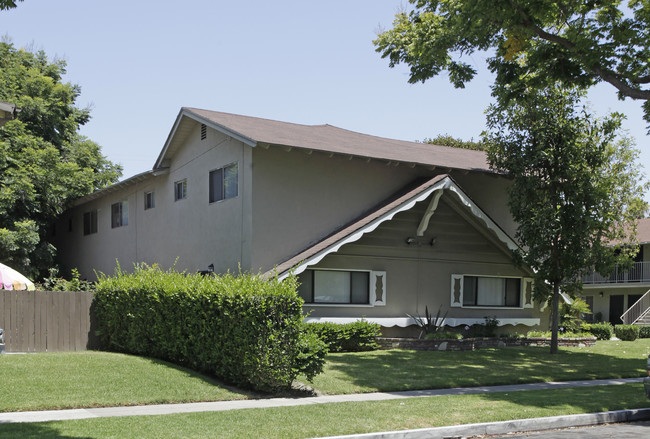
(119, 214)
(149, 202)
(90, 222)
(180, 190)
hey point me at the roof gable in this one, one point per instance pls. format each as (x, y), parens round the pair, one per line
(326, 138)
(368, 223)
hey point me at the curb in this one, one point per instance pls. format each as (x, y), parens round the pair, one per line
(505, 427)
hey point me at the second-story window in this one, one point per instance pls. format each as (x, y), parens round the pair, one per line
(224, 183)
(180, 190)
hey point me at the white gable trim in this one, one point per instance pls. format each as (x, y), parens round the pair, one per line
(445, 183)
(218, 127)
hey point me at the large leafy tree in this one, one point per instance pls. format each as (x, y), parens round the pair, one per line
(575, 187)
(44, 161)
(573, 41)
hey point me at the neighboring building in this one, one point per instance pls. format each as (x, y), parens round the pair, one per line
(611, 296)
(375, 228)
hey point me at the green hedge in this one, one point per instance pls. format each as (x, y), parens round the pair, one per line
(626, 332)
(602, 331)
(644, 331)
(348, 337)
(243, 329)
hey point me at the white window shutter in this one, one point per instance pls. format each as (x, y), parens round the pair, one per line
(456, 291)
(377, 288)
(527, 292)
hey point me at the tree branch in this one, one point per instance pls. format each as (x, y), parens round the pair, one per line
(603, 73)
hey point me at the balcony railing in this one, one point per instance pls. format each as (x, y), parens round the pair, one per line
(639, 272)
(638, 310)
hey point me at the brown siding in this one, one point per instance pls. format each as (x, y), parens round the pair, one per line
(40, 321)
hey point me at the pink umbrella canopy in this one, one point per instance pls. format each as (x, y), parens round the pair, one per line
(10, 279)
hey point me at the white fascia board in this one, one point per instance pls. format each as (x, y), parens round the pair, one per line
(478, 213)
(223, 129)
(403, 322)
(446, 183)
(367, 228)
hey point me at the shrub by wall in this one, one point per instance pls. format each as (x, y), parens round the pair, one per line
(243, 329)
(602, 331)
(644, 331)
(348, 337)
(626, 332)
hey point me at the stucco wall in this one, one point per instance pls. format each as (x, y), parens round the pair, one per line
(191, 232)
(300, 197)
(419, 276)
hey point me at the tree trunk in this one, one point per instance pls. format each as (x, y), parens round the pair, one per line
(555, 316)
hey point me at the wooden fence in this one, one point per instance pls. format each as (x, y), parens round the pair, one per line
(40, 321)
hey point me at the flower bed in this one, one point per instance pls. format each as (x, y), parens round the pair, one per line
(471, 344)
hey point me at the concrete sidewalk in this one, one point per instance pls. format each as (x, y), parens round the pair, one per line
(166, 409)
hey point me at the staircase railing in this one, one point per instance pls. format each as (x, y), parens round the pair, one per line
(638, 310)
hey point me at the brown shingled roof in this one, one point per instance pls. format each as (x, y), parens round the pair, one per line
(329, 138)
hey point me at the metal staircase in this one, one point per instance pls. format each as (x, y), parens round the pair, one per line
(639, 313)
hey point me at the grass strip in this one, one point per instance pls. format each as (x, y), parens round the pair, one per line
(396, 370)
(345, 418)
(97, 379)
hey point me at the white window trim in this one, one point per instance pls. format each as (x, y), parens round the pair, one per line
(223, 176)
(153, 200)
(182, 181)
(372, 294)
(456, 297)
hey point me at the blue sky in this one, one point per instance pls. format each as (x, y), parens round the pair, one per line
(138, 62)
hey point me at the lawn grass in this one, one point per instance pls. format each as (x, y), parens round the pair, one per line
(345, 418)
(396, 370)
(97, 379)
(94, 379)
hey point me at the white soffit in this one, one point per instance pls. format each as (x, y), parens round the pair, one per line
(403, 322)
(446, 183)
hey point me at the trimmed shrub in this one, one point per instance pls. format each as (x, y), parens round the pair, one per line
(348, 337)
(602, 331)
(244, 329)
(644, 331)
(626, 332)
(568, 334)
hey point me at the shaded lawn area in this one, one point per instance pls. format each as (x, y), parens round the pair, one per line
(95, 379)
(396, 370)
(345, 418)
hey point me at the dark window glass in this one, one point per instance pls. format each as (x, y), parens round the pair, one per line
(90, 222)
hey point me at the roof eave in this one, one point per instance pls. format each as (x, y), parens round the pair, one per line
(186, 112)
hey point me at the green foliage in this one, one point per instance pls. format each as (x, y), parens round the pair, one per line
(53, 282)
(310, 358)
(348, 337)
(447, 140)
(429, 324)
(567, 334)
(602, 331)
(575, 187)
(571, 314)
(626, 332)
(444, 335)
(486, 329)
(243, 329)
(8, 4)
(579, 43)
(644, 331)
(44, 161)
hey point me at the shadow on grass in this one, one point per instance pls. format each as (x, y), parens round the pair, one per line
(35, 431)
(396, 370)
(205, 377)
